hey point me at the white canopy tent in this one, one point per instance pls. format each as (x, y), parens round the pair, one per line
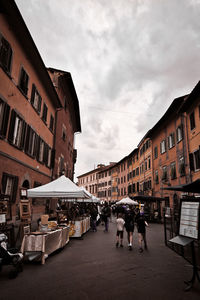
(127, 201)
(62, 187)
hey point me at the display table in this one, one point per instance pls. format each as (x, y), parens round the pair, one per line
(80, 227)
(40, 245)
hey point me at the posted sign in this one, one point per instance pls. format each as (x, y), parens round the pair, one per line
(189, 220)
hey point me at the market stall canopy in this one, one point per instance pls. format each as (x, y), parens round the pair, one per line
(62, 187)
(193, 187)
(127, 201)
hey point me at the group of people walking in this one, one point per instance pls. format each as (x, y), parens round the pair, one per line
(127, 220)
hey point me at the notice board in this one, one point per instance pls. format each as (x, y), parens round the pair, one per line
(189, 219)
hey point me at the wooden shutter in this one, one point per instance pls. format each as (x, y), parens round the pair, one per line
(53, 153)
(33, 93)
(23, 135)
(45, 154)
(12, 126)
(3, 182)
(191, 159)
(4, 126)
(36, 146)
(39, 104)
(5, 55)
(28, 130)
(15, 186)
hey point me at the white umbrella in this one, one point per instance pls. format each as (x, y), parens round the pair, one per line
(127, 201)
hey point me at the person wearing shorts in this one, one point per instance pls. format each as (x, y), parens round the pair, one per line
(141, 225)
(129, 225)
(120, 230)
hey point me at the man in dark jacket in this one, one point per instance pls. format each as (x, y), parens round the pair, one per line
(106, 212)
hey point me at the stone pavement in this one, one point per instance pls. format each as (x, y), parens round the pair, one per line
(93, 268)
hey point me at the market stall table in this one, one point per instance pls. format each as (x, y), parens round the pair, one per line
(39, 244)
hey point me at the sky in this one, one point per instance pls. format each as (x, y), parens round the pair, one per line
(129, 59)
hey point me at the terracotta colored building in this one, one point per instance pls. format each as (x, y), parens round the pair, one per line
(192, 108)
(105, 183)
(67, 123)
(90, 180)
(31, 114)
(170, 153)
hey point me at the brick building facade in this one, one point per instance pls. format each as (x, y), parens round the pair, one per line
(30, 116)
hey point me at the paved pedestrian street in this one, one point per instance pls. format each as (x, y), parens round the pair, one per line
(93, 268)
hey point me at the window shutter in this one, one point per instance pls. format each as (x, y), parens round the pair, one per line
(38, 148)
(15, 186)
(23, 135)
(12, 125)
(3, 182)
(39, 104)
(191, 159)
(53, 158)
(27, 138)
(33, 93)
(5, 55)
(5, 120)
(45, 156)
(173, 139)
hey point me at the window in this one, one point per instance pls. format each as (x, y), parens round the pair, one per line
(51, 126)
(17, 130)
(31, 141)
(5, 54)
(171, 140)
(173, 170)
(156, 177)
(163, 147)
(164, 173)
(194, 159)
(197, 159)
(9, 186)
(149, 162)
(137, 171)
(36, 99)
(192, 121)
(179, 133)
(44, 113)
(155, 152)
(40, 150)
(4, 116)
(23, 81)
(181, 166)
(145, 165)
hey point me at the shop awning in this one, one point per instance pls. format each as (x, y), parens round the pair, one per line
(62, 187)
(193, 187)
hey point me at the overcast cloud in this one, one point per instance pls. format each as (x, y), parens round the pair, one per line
(128, 59)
